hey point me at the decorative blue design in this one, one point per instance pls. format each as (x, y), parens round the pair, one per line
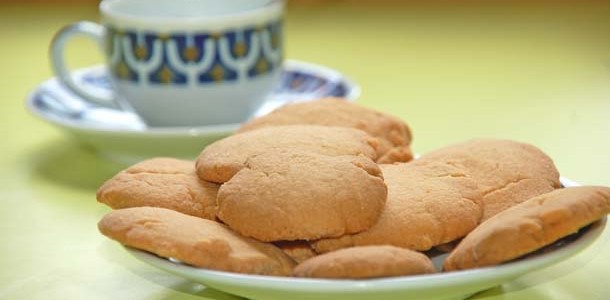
(94, 79)
(123, 69)
(301, 82)
(190, 53)
(181, 58)
(218, 70)
(166, 72)
(291, 82)
(337, 91)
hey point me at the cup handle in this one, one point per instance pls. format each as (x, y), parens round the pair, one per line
(85, 28)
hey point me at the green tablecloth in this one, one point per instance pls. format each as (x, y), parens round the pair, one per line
(538, 73)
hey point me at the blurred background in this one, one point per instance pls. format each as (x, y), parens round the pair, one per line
(536, 71)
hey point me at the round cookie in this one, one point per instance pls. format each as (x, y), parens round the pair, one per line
(529, 226)
(161, 182)
(365, 262)
(294, 195)
(221, 160)
(393, 134)
(428, 204)
(507, 172)
(195, 241)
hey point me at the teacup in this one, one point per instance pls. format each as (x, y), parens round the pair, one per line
(184, 62)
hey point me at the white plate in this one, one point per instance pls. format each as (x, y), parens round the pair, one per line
(122, 136)
(445, 286)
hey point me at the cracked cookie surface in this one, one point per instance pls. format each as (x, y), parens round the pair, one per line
(428, 204)
(366, 262)
(296, 195)
(199, 242)
(393, 134)
(507, 172)
(161, 182)
(529, 226)
(221, 160)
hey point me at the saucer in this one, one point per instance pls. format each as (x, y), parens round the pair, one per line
(123, 137)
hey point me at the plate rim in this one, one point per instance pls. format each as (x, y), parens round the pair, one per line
(178, 131)
(414, 283)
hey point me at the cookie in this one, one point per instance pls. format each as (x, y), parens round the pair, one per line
(507, 172)
(529, 226)
(299, 251)
(428, 204)
(365, 262)
(294, 195)
(195, 241)
(161, 182)
(394, 135)
(221, 160)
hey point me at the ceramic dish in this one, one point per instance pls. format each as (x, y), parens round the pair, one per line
(440, 286)
(123, 137)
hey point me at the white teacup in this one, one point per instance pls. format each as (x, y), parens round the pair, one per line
(184, 62)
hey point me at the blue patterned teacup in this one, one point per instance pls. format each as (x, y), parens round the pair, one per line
(184, 62)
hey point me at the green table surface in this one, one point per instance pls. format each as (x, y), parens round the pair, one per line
(538, 73)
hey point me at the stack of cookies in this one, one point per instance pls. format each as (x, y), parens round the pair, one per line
(328, 189)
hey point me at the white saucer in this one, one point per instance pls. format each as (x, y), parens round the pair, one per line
(123, 137)
(439, 286)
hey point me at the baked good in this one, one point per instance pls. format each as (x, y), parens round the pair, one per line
(161, 182)
(507, 172)
(393, 134)
(529, 226)
(365, 262)
(299, 251)
(195, 241)
(295, 195)
(221, 160)
(428, 204)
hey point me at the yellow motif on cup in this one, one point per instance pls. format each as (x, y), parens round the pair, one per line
(261, 66)
(141, 52)
(218, 72)
(190, 53)
(166, 75)
(239, 49)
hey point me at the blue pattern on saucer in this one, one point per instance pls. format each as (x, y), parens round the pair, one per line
(299, 81)
(307, 83)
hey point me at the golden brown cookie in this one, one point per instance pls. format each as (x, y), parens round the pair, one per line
(299, 251)
(161, 182)
(195, 241)
(529, 226)
(365, 262)
(507, 172)
(293, 195)
(221, 160)
(428, 204)
(394, 135)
